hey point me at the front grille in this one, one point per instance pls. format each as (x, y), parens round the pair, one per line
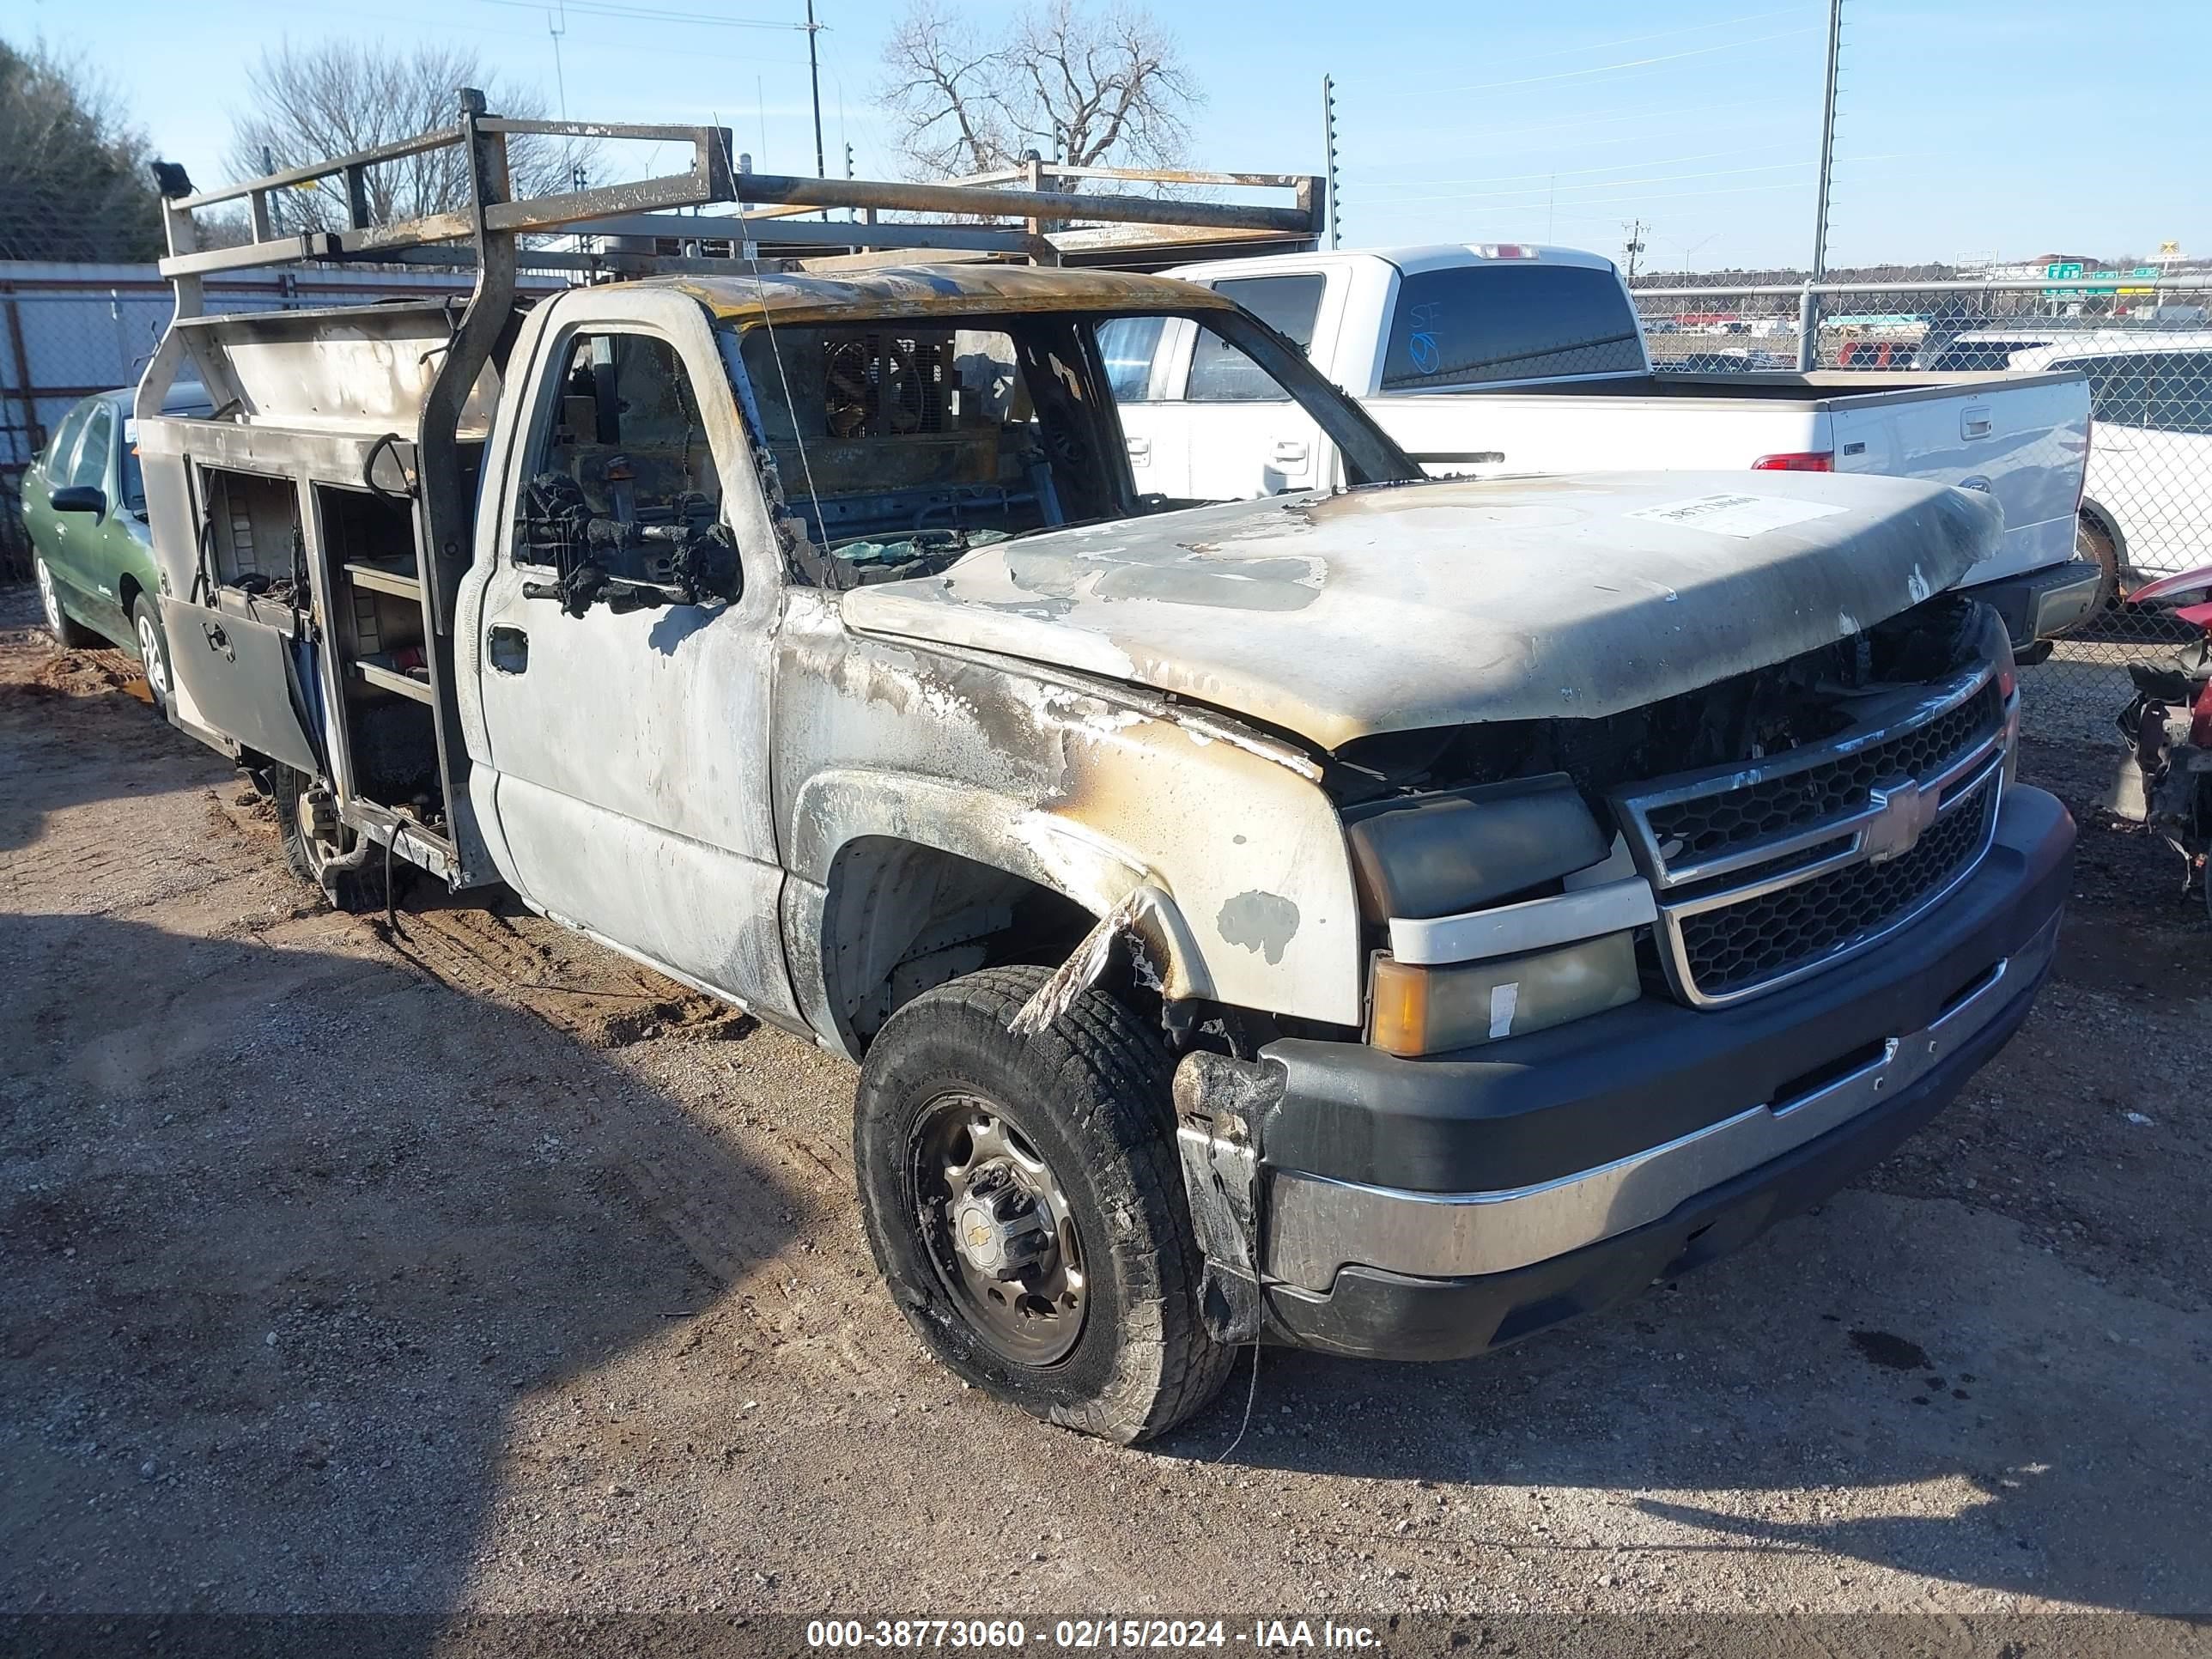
(1704, 826)
(1759, 939)
(1769, 871)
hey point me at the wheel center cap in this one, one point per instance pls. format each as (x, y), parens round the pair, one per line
(997, 1225)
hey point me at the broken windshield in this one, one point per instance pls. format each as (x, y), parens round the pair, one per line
(903, 443)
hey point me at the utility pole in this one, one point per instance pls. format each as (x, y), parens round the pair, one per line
(1635, 245)
(1328, 147)
(559, 81)
(814, 74)
(1808, 307)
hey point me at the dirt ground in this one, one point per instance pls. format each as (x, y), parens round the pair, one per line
(471, 1270)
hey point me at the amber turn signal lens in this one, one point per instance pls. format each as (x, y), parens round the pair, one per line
(1432, 1011)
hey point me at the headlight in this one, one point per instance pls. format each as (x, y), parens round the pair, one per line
(1430, 1010)
(1440, 854)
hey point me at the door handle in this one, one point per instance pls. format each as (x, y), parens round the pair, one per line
(1974, 423)
(1140, 450)
(1291, 450)
(509, 649)
(219, 641)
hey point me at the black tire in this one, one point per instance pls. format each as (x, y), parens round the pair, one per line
(2092, 540)
(153, 651)
(68, 632)
(1089, 1095)
(309, 857)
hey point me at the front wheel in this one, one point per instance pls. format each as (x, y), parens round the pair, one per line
(153, 651)
(1024, 1199)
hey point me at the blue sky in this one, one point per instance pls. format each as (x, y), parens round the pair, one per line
(1968, 127)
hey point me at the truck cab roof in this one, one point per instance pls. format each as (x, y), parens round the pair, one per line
(1409, 258)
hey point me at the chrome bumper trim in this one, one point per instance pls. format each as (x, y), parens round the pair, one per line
(1533, 925)
(1318, 1225)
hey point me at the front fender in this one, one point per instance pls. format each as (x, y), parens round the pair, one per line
(1079, 788)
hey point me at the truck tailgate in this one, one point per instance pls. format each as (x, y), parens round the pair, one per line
(2021, 439)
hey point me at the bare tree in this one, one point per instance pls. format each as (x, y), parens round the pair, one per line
(73, 185)
(1087, 87)
(310, 103)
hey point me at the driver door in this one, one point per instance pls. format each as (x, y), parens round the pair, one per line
(625, 754)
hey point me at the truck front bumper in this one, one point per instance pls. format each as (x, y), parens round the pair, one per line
(1635, 1144)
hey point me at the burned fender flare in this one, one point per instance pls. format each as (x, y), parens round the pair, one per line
(837, 808)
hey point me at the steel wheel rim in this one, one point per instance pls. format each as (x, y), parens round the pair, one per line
(151, 659)
(48, 598)
(1034, 1319)
(319, 852)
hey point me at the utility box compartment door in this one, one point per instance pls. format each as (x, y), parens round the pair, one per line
(239, 676)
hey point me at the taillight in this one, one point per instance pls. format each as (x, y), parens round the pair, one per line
(1803, 460)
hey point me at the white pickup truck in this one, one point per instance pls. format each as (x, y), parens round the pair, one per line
(1510, 360)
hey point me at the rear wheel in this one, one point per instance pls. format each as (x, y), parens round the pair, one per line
(153, 651)
(68, 632)
(1023, 1198)
(316, 843)
(2092, 540)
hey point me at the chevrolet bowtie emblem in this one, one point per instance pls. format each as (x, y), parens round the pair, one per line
(1903, 811)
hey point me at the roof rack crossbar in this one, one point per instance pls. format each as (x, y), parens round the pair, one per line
(457, 233)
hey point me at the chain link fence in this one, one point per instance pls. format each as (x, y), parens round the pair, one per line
(2144, 344)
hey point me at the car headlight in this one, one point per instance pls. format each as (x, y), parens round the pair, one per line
(1436, 855)
(1415, 1010)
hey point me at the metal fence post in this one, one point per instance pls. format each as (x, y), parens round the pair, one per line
(1809, 330)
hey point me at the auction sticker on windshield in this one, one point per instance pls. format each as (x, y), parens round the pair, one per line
(1732, 514)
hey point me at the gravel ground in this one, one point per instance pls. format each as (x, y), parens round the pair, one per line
(469, 1270)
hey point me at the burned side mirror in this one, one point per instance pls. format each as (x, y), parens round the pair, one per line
(79, 498)
(706, 566)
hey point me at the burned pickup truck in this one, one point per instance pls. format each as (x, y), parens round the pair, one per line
(1389, 920)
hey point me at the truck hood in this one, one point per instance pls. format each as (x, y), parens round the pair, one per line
(1399, 607)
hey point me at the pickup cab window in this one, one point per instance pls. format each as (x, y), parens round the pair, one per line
(1467, 325)
(1220, 374)
(1130, 346)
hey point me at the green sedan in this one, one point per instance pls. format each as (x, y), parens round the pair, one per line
(85, 506)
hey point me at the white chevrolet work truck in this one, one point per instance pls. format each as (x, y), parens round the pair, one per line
(1507, 360)
(1389, 918)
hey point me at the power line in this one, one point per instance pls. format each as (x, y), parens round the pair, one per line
(1561, 172)
(1655, 35)
(1610, 68)
(1603, 183)
(1645, 113)
(652, 13)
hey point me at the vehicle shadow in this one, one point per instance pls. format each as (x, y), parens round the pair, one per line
(1902, 1383)
(76, 731)
(289, 1233)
